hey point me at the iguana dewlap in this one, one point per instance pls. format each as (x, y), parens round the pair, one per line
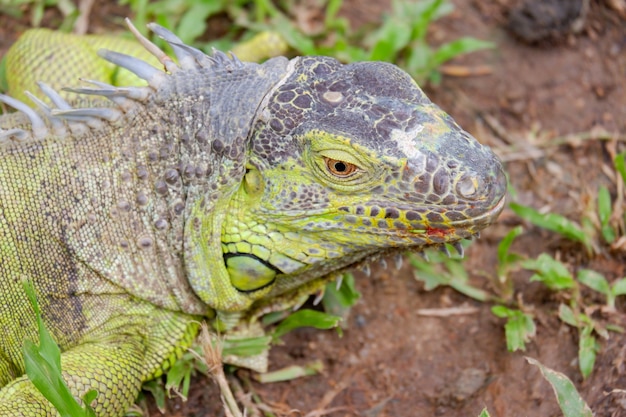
(219, 188)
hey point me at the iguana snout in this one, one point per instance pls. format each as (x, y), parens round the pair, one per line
(451, 186)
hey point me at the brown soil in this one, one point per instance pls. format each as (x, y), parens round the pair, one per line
(394, 361)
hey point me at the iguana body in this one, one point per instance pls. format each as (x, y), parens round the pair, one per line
(221, 189)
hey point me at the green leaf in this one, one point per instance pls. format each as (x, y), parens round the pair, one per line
(155, 387)
(248, 346)
(47, 379)
(597, 282)
(594, 280)
(571, 403)
(48, 349)
(620, 165)
(519, 328)
(484, 413)
(615, 328)
(179, 375)
(458, 47)
(501, 311)
(551, 272)
(604, 204)
(43, 366)
(339, 301)
(392, 36)
(619, 288)
(604, 213)
(587, 351)
(294, 38)
(418, 63)
(462, 285)
(505, 245)
(291, 372)
(555, 223)
(566, 314)
(429, 11)
(331, 21)
(88, 398)
(193, 24)
(453, 275)
(306, 318)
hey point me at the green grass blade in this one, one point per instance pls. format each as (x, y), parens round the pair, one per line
(605, 211)
(433, 9)
(43, 367)
(339, 301)
(587, 351)
(519, 328)
(551, 272)
(458, 47)
(594, 280)
(554, 222)
(620, 165)
(619, 288)
(571, 403)
(291, 372)
(505, 245)
(567, 315)
(246, 346)
(392, 36)
(179, 375)
(306, 318)
(192, 24)
(294, 38)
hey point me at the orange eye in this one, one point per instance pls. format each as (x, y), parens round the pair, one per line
(340, 168)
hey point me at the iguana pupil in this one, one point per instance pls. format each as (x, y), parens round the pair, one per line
(340, 168)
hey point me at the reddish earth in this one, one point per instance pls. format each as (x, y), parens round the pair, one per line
(556, 114)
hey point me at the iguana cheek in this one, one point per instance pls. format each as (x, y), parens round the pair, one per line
(249, 273)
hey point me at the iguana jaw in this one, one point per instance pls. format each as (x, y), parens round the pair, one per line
(280, 251)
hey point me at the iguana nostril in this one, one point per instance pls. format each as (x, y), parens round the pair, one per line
(467, 187)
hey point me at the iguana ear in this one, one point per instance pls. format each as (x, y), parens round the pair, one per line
(253, 182)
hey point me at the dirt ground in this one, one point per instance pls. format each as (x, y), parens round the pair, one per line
(395, 361)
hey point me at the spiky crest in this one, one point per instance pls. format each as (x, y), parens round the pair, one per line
(64, 117)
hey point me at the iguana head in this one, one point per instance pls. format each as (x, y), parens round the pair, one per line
(346, 162)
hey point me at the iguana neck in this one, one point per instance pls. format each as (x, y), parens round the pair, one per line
(215, 142)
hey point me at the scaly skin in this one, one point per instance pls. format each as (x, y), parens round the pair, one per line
(220, 190)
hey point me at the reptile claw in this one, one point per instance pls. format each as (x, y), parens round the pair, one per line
(444, 249)
(318, 297)
(366, 270)
(399, 260)
(459, 248)
(339, 282)
(423, 255)
(383, 264)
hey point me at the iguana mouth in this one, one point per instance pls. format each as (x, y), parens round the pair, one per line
(398, 222)
(484, 219)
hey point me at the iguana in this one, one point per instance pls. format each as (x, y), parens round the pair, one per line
(220, 190)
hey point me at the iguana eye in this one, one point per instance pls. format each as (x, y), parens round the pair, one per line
(340, 168)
